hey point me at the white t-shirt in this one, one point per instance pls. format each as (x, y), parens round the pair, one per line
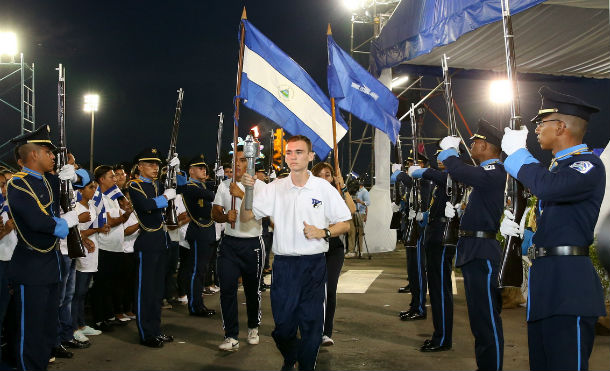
(317, 203)
(113, 240)
(252, 228)
(130, 240)
(8, 242)
(179, 235)
(88, 263)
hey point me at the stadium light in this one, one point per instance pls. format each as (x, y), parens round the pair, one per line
(352, 4)
(255, 130)
(398, 81)
(500, 91)
(91, 102)
(8, 43)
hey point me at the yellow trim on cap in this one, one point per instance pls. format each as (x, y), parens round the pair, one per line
(548, 110)
(149, 159)
(39, 141)
(480, 136)
(198, 163)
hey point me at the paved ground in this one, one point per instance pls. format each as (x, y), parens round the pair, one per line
(368, 336)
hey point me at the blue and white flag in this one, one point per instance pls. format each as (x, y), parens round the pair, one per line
(114, 192)
(357, 91)
(3, 204)
(275, 86)
(100, 209)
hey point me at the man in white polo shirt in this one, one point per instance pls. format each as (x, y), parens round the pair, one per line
(307, 211)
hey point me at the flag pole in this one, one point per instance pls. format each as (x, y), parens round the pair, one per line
(334, 120)
(240, 66)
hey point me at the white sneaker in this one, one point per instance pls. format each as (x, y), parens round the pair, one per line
(326, 341)
(183, 300)
(89, 331)
(253, 338)
(229, 345)
(350, 255)
(79, 336)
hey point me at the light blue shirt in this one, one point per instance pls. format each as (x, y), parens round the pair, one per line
(363, 195)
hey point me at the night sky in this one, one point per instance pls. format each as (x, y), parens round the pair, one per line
(135, 55)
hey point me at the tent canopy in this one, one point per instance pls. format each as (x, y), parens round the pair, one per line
(557, 37)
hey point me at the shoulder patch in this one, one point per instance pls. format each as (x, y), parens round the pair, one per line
(582, 166)
(135, 181)
(489, 167)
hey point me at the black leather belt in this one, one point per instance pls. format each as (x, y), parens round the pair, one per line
(477, 234)
(539, 252)
(442, 219)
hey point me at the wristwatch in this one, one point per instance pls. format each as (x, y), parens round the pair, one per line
(327, 234)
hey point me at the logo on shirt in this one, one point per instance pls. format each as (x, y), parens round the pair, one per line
(582, 166)
(490, 167)
(315, 202)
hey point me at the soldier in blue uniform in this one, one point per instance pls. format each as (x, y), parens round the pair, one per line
(151, 246)
(565, 294)
(438, 260)
(34, 272)
(478, 253)
(200, 234)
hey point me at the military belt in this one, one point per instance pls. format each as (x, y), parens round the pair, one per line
(441, 219)
(539, 252)
(477, 234)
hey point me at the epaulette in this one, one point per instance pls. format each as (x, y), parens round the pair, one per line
(192, 183)
(20, 174)
(135, 181)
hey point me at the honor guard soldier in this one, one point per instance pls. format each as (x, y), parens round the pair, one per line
(438, 260)
(565, 293)
(34, 273)
(241, 254)
(478, 253)
(200, 234)
(151, 246)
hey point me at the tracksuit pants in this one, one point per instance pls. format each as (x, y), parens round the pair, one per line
(298, 292)
(150, 282)
(416, 268)
(561, 342)
(334, 262)
(484, 301)
(202, 242)
(245, 258)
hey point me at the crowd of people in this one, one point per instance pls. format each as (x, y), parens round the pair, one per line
(136, 256)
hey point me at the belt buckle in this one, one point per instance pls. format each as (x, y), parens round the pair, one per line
(531, 252)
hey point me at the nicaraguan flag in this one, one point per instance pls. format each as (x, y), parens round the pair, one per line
(357, 91)
(275, 86)
(100, 208)
(114, 192)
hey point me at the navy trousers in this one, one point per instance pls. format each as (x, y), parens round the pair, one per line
(439, 265)
(416, 264)
(201, 241)
(561, 342)
(484, 302)
(150, 282)
(298, 291)
(65, 328)
(37, 310)
(334, 262)
(83, 279)
(5, 296)
(237, 257)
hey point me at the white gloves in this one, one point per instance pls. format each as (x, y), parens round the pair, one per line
(419, 217)
(508, 227)
(458, 209)
(170, 194)
(449, 210)
(412, 169)
(71, 217)
(175, 162)
(412, 214)
(450, 142)
(513, 140)
(395, 208)
(67, 172)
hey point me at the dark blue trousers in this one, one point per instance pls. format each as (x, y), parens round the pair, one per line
(37, 310)
(5, 295)
(298, 291)
(65, 328)
(245, 258)
(439, 265)
(201, 241)
(484, 302)
(150, 282)
(334, 262)
(83, 279)
(416, 265)
(561, 342)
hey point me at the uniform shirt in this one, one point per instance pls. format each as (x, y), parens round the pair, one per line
(113, 240)
(363, 195)
(252, 228)
(8, 242)
(131, 239)
(570, 196)
(148, 202)
(88, 263)
(318, 203)
(439, 196)
(484, 209)
(198, 203)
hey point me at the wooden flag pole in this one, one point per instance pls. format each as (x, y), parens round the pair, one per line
(334, 120)
(240, 66)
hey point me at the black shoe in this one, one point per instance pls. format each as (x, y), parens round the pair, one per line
(61, 352)
(116, 322)
(152, 342)
(75, 344)
(434, 348)
(414, 316)
(166, 338)
(205, 312)
(426, 343)
(404, 289)
(405, 313)
(103, 326)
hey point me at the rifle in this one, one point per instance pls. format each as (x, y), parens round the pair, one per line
(218, 165)
(171, 217)
(414, 197)
(511, 271)
(76, 248)
(396, 217)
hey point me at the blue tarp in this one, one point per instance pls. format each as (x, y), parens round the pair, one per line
(418, 26)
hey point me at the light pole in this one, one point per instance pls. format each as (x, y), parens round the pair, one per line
(91, 104)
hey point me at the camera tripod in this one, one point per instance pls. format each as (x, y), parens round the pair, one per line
(359, 231)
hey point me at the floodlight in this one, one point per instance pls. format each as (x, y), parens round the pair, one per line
(255, 130)
(8, 43)
(398, 81)
(352, 4)
(500, 91)
(91, 102)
